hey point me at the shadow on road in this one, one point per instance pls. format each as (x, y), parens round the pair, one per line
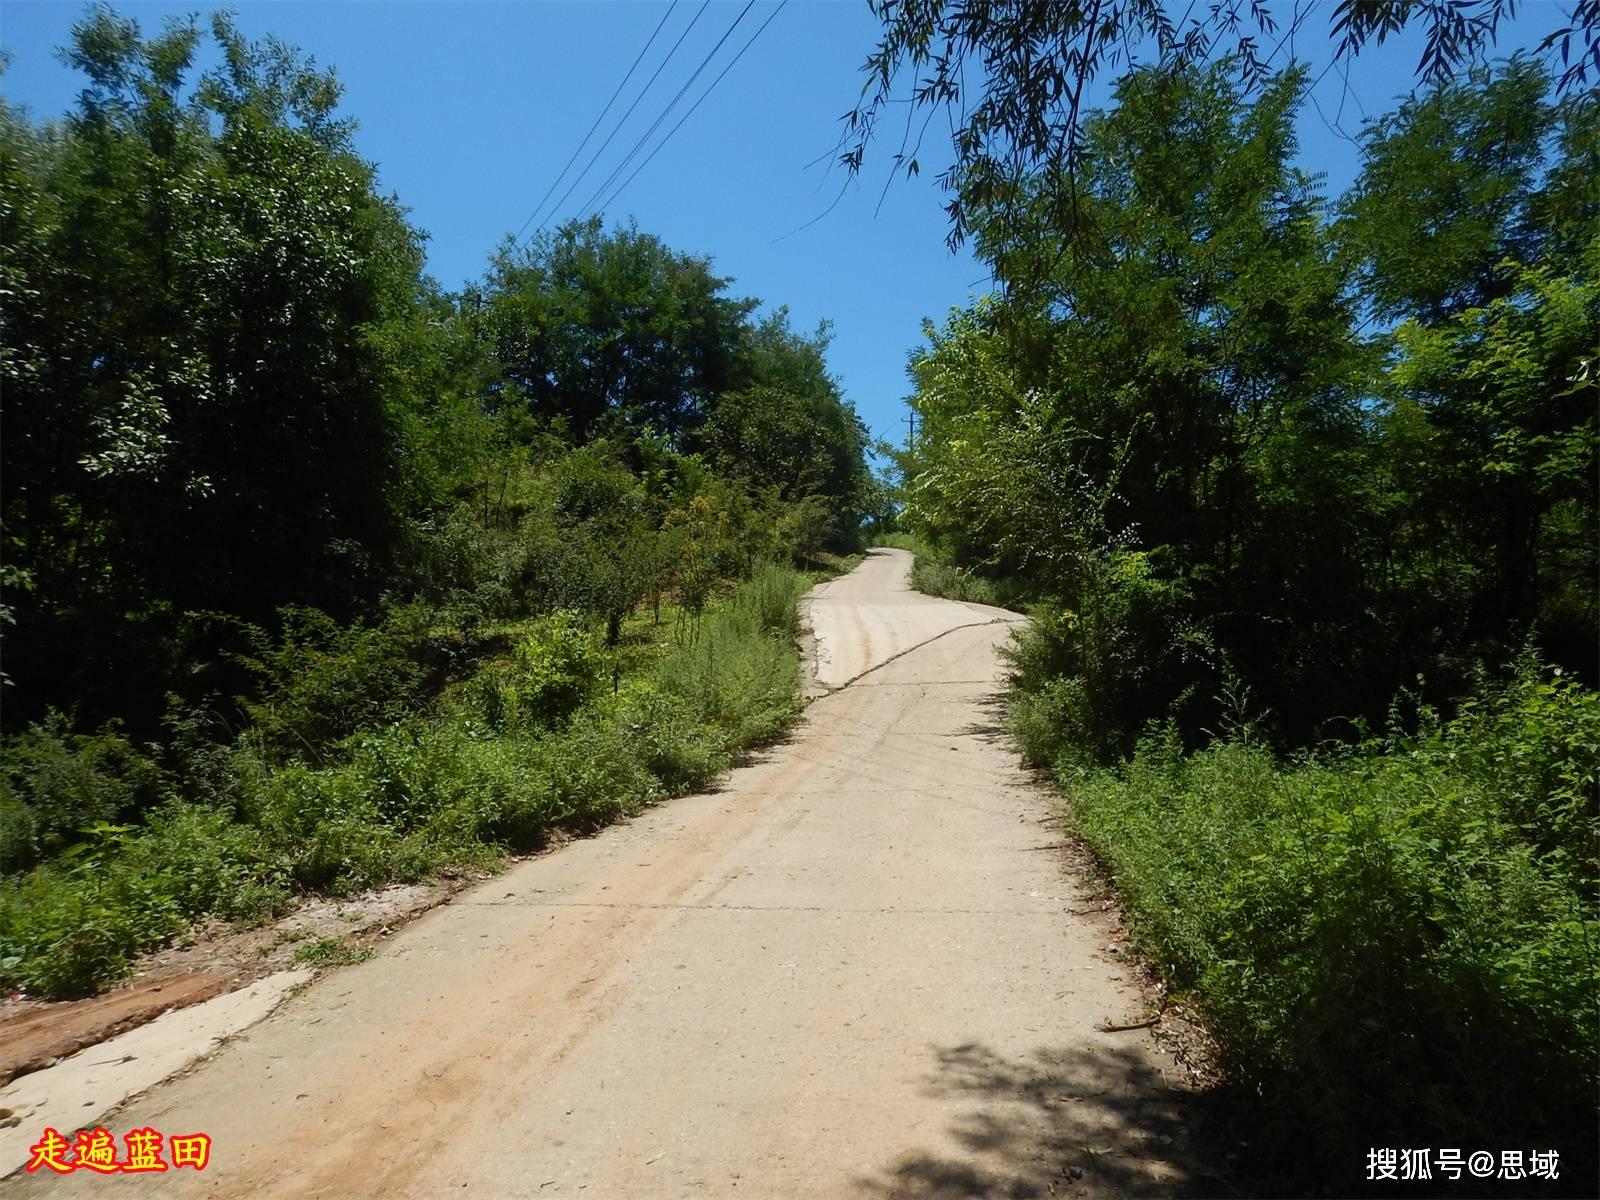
(992, 728)
(1095, 1121)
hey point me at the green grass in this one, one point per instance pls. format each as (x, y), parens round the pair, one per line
(554, 733)
(1395, 946)
(932, 575)
(941, 579)
(900, 540)
(330, 951)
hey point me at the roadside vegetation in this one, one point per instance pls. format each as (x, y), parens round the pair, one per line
(1303, 490)
(1392, 941)
(545, 731)
(319, 578)
(934, 575)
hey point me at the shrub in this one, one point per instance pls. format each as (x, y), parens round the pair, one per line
(75, 926)
(1052, 722)
(1393, 946)
(19, 831)
(1122, 640)
(69, 934)
(206, 863)
(320, 681)
(452, 789)
(1534, 745)
(54, 783)
(934, 575)
(555, 669)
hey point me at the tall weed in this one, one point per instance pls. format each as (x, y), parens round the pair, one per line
(321, 681)
(1395, 946)
(736, 667)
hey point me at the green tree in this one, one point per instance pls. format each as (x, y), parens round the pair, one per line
(1184, 389)
(1476, 221)
(1179, 439)
(609, 332)
(792, 434)
(608, 527)
(197, 413)
(1448, 190)
(1011, 75)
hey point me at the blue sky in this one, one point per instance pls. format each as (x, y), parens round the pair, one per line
(470, 109)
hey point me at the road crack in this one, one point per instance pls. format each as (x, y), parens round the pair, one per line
(831, 690)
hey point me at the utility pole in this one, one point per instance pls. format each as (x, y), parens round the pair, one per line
(911, 429)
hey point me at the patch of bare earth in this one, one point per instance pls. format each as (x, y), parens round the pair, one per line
(211, 960)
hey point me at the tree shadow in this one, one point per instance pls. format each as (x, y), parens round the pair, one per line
(1088, 1121)
(992, 728)
(760, 751)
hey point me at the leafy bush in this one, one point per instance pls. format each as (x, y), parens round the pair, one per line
(403, 804)
(206, 863)
(1400, 942)
(321, 681)
(54, 783)
(74, 926)
(1052, 722)
(556, 667)
(466, 791)
(68, 933)
(553, 669)
(1536, 747)
(19, 831)
(1121, 642)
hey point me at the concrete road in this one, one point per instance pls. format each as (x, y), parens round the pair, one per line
(862, 620)
(855, 970)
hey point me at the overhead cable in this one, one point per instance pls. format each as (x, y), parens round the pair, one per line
(611, 199)
(555, 183)
(665, 113)
(699, 12)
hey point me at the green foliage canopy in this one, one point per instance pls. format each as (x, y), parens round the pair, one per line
(607, 332)
(198, 414)
(1180, 436)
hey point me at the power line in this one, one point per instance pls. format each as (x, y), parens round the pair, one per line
(624, 120)
(785, 237)
(537, 208)
(611, 199)
(666, 112)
